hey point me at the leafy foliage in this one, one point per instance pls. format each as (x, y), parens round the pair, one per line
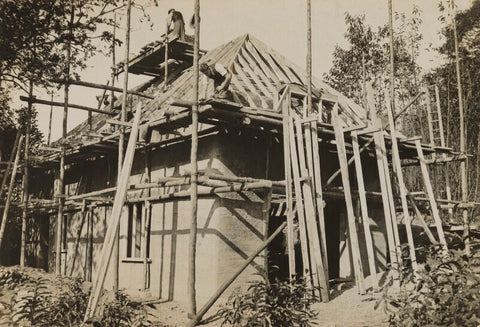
(68, 308)
(270, 304)
(444, 293)
(43, 302)
(13, 278)
(124, 312)
(372, 47)
(31, 304)
(35, 33)
(445, 75)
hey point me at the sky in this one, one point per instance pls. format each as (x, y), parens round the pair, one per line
(279, 23)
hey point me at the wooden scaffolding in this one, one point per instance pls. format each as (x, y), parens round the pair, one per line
(304, 128)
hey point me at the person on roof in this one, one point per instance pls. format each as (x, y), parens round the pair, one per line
(175, 18)
(221, 78)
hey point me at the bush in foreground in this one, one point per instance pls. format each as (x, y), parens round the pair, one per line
(42, 302)
(445, 292)
(265, 304)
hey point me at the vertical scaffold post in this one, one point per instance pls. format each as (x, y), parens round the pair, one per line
(192, 305)
(61, 176)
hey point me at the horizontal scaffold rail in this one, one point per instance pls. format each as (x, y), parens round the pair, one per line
(101, 87)
(219, 183)
(61, 104)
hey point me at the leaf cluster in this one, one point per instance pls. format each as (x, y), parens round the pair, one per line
(443, 293)
(282, 303)
(368, 55)
(35, 304)
(34, 35)
(12, 278)
(122, 311)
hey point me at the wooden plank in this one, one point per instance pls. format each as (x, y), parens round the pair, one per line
(353, 235)
(311, 224)
(229, 281)
(430, 194)
(255, 77)
(114, 219)
(349, 162)
(364, 210)
(389, 189)
(267, 205)
(419, 216)
(276, 76)
(288, 183)
(392, 245)
(148, 218)
(79, 235)
(10, 189)
(246, 81)
(118, 122)
(397, 168)
(244, 92)
(299, 205)
(89, 245)
(259, 73)
(269, 72)
(320, 203)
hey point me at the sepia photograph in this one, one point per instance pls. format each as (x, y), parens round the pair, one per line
(244, 163)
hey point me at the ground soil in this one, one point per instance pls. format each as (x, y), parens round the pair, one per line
(346, 309)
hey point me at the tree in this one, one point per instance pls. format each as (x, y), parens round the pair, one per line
(372, 46)
(468, 30)
(35, 33)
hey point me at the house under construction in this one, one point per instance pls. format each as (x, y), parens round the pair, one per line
(330, 173)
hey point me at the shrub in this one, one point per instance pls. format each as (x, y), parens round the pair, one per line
(278, 304)
(68, 308)
(445, 292)
(12, 278)
(124, 312)
(31, 304)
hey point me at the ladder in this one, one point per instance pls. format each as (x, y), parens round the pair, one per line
(434, 119)
(437, 135)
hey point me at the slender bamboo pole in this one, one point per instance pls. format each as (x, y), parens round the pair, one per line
(463, 164)
(165, 77)
(50, 121)
(25, 178)
(392, 64)
(309, 57)
(10, 188)
(192, 305)
(121, 140)
(61, 182)
(448, 191)
(148, 218)
(70, 105)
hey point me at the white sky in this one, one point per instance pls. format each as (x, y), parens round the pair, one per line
(279, 23)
